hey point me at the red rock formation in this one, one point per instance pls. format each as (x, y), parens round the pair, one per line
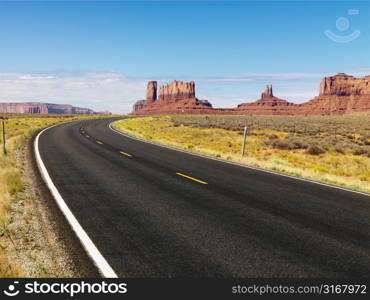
(339, 94)
(267, 93)
(267, 105)
(151, 92)
(28, 108)
(345, 85)
(138, 105)
(175, 97)
(177, 90)
(151, 96)
(46, 108)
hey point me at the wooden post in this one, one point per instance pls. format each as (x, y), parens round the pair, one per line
(244, 138)
(3, 135)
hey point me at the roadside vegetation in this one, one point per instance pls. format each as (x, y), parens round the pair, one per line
(332, 149)
(19, 131)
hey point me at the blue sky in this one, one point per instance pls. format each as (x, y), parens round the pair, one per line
(77, 52)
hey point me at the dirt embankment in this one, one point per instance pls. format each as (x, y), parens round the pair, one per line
(39, 242)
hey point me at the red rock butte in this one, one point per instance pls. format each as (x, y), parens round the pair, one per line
(175, 97)
(339, 94)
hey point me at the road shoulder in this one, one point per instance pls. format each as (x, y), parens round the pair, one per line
(39, 241)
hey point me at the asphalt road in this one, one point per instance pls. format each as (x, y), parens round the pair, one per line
(156, 212)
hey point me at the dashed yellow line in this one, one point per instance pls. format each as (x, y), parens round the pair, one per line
(87, 136)
(126, 154)
(191, 178)
(99, 142)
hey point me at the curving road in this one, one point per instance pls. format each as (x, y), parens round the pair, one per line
(157, 212)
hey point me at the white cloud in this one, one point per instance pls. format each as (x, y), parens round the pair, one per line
(34, 77)
(99, 91)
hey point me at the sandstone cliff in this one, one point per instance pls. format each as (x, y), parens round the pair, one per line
(20, 108)
(151, 91)
(46, 108)
(175, 97)
(339, 94)
(345, 85)
(177, 90)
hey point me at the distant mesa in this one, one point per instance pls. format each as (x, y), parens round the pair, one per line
(47, 108)
(339, 94)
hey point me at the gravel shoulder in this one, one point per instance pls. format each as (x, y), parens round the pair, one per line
(39, 242)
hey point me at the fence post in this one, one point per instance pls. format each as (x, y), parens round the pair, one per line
(3, 135)
(244, 138)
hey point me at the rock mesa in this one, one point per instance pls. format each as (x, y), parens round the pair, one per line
(46, 108)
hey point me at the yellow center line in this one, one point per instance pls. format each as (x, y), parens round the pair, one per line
(191, 178)
(99, 142)
(87, 136)
(125, 153)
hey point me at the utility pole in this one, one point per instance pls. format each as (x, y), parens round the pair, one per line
(244, 138)
(3, 134)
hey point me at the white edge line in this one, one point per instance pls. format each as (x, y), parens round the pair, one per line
(104, 268)
(237, 164)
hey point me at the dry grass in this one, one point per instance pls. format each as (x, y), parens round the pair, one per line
(19, 129)
(338, 153)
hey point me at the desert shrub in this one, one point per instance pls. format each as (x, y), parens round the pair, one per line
(339, 149)
(297, 144)
(330, 140)
(360, 151)
(280, 144)
(315, 150)
(287, 144)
